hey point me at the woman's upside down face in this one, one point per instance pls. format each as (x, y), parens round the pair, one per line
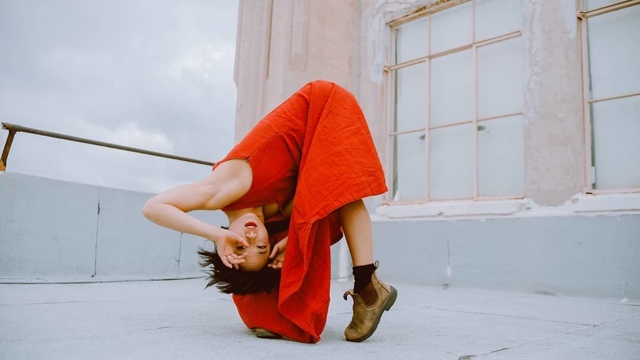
(253, 230)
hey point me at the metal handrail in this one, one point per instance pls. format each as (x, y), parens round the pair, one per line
(13, 129)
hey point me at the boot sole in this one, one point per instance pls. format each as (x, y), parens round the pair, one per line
(266, 334)
(393, 294)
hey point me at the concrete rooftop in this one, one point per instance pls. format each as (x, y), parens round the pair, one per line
(179, 319)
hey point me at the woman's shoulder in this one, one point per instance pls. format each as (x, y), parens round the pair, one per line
(231, 179)
(231, 173)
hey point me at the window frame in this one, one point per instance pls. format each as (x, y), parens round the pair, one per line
(390, 72)
(583, 15)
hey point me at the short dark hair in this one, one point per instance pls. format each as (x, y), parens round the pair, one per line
(234, 281)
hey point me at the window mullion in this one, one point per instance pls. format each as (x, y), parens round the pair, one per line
(617, 97)
(473, 22)
(585, 14)
(474, 52)
(474, 66)
(391, 114)
(427, 132)
(586, 109)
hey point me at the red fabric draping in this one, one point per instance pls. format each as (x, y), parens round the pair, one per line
(331, 161)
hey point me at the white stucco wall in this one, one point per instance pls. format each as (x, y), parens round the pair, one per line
(284, 44)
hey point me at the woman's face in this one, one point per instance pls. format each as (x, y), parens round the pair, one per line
(252, 229)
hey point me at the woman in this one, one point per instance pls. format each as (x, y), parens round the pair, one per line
(293, 184)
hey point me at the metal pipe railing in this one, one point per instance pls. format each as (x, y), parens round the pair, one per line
(13, 129)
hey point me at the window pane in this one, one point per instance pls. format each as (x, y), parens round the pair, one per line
(412, 40)
(451, 165)
(497, 17)
(614, 53)
(451, 28)
(595, 4)
(452, 88)
(616, 143)
(409, 174)
(501, 157)
(411, 98)
(500, 78)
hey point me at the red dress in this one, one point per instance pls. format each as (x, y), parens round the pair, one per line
(316, 148)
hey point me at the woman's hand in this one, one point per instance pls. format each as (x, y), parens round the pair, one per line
(226, 242)
(277, 254)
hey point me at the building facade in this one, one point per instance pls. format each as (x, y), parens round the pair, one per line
(509, 129)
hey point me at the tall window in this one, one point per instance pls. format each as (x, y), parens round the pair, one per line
(456, 77)
(611, 61)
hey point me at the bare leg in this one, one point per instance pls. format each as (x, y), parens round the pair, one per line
(356, 224)
(371, 296)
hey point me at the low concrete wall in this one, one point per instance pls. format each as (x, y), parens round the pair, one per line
(570, 255)
(59, 231)
(56, 231)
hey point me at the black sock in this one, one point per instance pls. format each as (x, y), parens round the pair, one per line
(362, 276)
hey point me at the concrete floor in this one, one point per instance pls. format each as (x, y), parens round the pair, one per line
(181, 320)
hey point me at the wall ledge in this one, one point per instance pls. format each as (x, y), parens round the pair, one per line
(610, 202)
(453, 209)
(579, 204)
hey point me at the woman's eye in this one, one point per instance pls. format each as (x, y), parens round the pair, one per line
(239, 248)
(262, 247)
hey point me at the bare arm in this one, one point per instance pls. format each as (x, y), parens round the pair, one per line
(220, 188)
(169, 209)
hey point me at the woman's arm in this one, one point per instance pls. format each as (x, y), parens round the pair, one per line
(170, 208)
(217, 190)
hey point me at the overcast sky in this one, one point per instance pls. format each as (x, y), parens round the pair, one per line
(151, 74)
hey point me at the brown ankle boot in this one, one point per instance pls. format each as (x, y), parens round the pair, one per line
(366, 318)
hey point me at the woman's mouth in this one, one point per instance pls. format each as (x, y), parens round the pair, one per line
(250, 225)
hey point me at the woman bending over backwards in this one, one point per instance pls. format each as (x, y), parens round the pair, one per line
(295, 183)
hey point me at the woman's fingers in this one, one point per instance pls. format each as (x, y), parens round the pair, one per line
(277, 262)
(226, 259)
(243, 242)
(232, 260)
(274, 251)
(240, 240)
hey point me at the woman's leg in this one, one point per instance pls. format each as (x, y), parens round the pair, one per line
(356, 224)
(370, 295)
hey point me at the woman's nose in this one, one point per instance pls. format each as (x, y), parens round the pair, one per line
(251, 235)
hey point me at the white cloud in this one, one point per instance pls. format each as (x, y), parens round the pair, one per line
(150, 74)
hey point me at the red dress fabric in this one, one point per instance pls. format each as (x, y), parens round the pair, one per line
(316, 148)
